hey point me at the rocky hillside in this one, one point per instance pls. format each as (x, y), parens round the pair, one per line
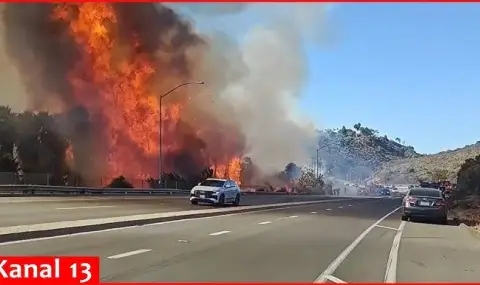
(443, 165)
(356, 153)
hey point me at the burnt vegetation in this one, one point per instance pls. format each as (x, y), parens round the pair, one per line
(31, 143)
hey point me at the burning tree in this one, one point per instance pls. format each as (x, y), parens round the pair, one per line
(308, 180)
(106, 65)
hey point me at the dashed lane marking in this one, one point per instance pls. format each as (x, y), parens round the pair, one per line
(328, 209)
(265, 223)
(85, 207)
(130, 253)
(220, 233)
(292, 217)
(340, 207)
(313, 212)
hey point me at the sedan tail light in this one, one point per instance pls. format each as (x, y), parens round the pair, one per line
(439, 203)
(411, 200)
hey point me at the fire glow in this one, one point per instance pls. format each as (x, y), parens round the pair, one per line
(117, 82)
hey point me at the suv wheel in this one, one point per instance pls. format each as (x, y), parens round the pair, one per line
(221, 200)
(237, 200)
(194, 202)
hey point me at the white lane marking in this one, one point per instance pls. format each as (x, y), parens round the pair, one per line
(265, 223)
(328, 209)
(292, 217)
(391, 271)
(85, 207)
(334, 279)
(130, 253)
(336, 263)
(163, 223)
(349, 205)
(313, 212)
(48, 200)
(220, 233)
(340, 207)
(388, 228)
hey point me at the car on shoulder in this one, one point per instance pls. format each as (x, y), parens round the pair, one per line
(428, 203)
(216, 191)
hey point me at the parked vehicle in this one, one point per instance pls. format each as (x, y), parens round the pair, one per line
(426, 203)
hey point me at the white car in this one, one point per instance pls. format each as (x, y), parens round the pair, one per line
(216, 191)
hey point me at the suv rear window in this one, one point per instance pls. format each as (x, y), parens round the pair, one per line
(213, 183)
(427, 193)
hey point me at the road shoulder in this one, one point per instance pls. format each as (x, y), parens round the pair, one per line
(438, 253)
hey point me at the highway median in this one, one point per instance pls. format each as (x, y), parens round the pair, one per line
(44, 230)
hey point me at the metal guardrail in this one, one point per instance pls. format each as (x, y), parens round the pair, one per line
(45, 190)
(65, 190)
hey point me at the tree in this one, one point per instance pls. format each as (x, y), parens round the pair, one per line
(246, 171)
(308, 181)
(7, 139)
(398, 140)
(292, 171)
(468, 178)
(120, 182)
(357, 126)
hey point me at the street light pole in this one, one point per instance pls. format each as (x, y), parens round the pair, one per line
(160, 136)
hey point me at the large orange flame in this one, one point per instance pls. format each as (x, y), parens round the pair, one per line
(231, 170)
(121, 80)
(113, 80)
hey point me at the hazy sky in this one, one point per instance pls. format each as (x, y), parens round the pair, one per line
(408, 70)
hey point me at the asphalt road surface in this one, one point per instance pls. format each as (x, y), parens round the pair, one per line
(340, 241)
(34, 210)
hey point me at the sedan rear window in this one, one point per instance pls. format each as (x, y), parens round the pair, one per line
(426, 193)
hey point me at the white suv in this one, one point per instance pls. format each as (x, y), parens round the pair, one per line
(216, 191)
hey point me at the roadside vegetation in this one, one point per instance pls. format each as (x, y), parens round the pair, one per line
(467, 208)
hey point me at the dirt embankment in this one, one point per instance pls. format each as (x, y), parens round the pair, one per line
(467, 211)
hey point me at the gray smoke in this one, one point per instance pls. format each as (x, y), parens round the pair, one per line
(260, 79)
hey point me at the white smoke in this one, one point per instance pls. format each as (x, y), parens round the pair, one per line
(261, 77)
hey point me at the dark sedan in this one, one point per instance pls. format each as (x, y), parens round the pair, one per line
(425, 203)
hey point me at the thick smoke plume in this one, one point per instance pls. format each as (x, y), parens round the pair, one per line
(105, 67)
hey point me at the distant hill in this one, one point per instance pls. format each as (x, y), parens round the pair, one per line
(357, 153)
(440, 166)
(361, 153)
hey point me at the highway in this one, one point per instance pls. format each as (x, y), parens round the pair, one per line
(34, 210)
(347, 241)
